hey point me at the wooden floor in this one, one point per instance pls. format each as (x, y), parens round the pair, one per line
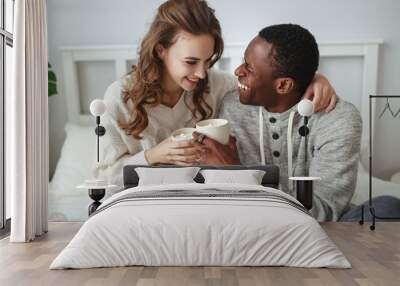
(374, 255)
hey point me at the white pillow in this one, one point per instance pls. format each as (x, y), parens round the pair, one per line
(248, 177)
(74, 166)
(162, 176)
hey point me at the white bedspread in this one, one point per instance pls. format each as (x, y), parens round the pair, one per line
(206, 230)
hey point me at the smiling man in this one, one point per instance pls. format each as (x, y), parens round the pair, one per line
(278, 66)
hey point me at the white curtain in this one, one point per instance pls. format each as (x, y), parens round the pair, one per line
(28, 123)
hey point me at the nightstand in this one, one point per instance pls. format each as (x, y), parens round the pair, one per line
(96, 190)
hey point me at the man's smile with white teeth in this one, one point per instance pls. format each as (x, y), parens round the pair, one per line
(242, 86)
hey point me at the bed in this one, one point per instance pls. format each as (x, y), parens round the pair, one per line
(193, 224)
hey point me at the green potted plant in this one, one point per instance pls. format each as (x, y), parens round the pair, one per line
(52, 81)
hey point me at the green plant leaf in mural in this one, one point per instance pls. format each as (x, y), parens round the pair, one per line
(52, 87)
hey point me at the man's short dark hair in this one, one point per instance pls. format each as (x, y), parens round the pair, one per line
(294, 53)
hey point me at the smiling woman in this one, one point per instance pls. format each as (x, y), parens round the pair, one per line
(170, 87)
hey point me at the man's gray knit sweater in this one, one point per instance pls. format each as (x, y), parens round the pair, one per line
(333, 149)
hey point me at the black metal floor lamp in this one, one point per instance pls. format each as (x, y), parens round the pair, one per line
(370, 203)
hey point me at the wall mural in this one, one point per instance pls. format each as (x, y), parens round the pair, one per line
(225, 110)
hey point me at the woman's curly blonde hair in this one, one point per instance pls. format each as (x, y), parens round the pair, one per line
(192, 16)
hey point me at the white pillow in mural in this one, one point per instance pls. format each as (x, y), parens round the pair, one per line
(77, 158)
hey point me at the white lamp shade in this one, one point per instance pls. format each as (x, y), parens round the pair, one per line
(97, 107)
(305, 107)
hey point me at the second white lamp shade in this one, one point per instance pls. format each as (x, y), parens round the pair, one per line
(305, 107)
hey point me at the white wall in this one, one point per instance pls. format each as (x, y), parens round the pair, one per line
(102, 22)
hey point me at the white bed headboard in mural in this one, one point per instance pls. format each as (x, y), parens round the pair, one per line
(352, 68)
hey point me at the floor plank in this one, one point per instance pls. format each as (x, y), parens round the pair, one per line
(374, 255)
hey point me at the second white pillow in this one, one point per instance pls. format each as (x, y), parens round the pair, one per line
(247, 177)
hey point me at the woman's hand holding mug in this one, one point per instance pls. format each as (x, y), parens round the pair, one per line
(170, 151)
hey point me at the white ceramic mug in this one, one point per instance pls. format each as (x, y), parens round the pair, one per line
(183, 134)
(217, 129)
